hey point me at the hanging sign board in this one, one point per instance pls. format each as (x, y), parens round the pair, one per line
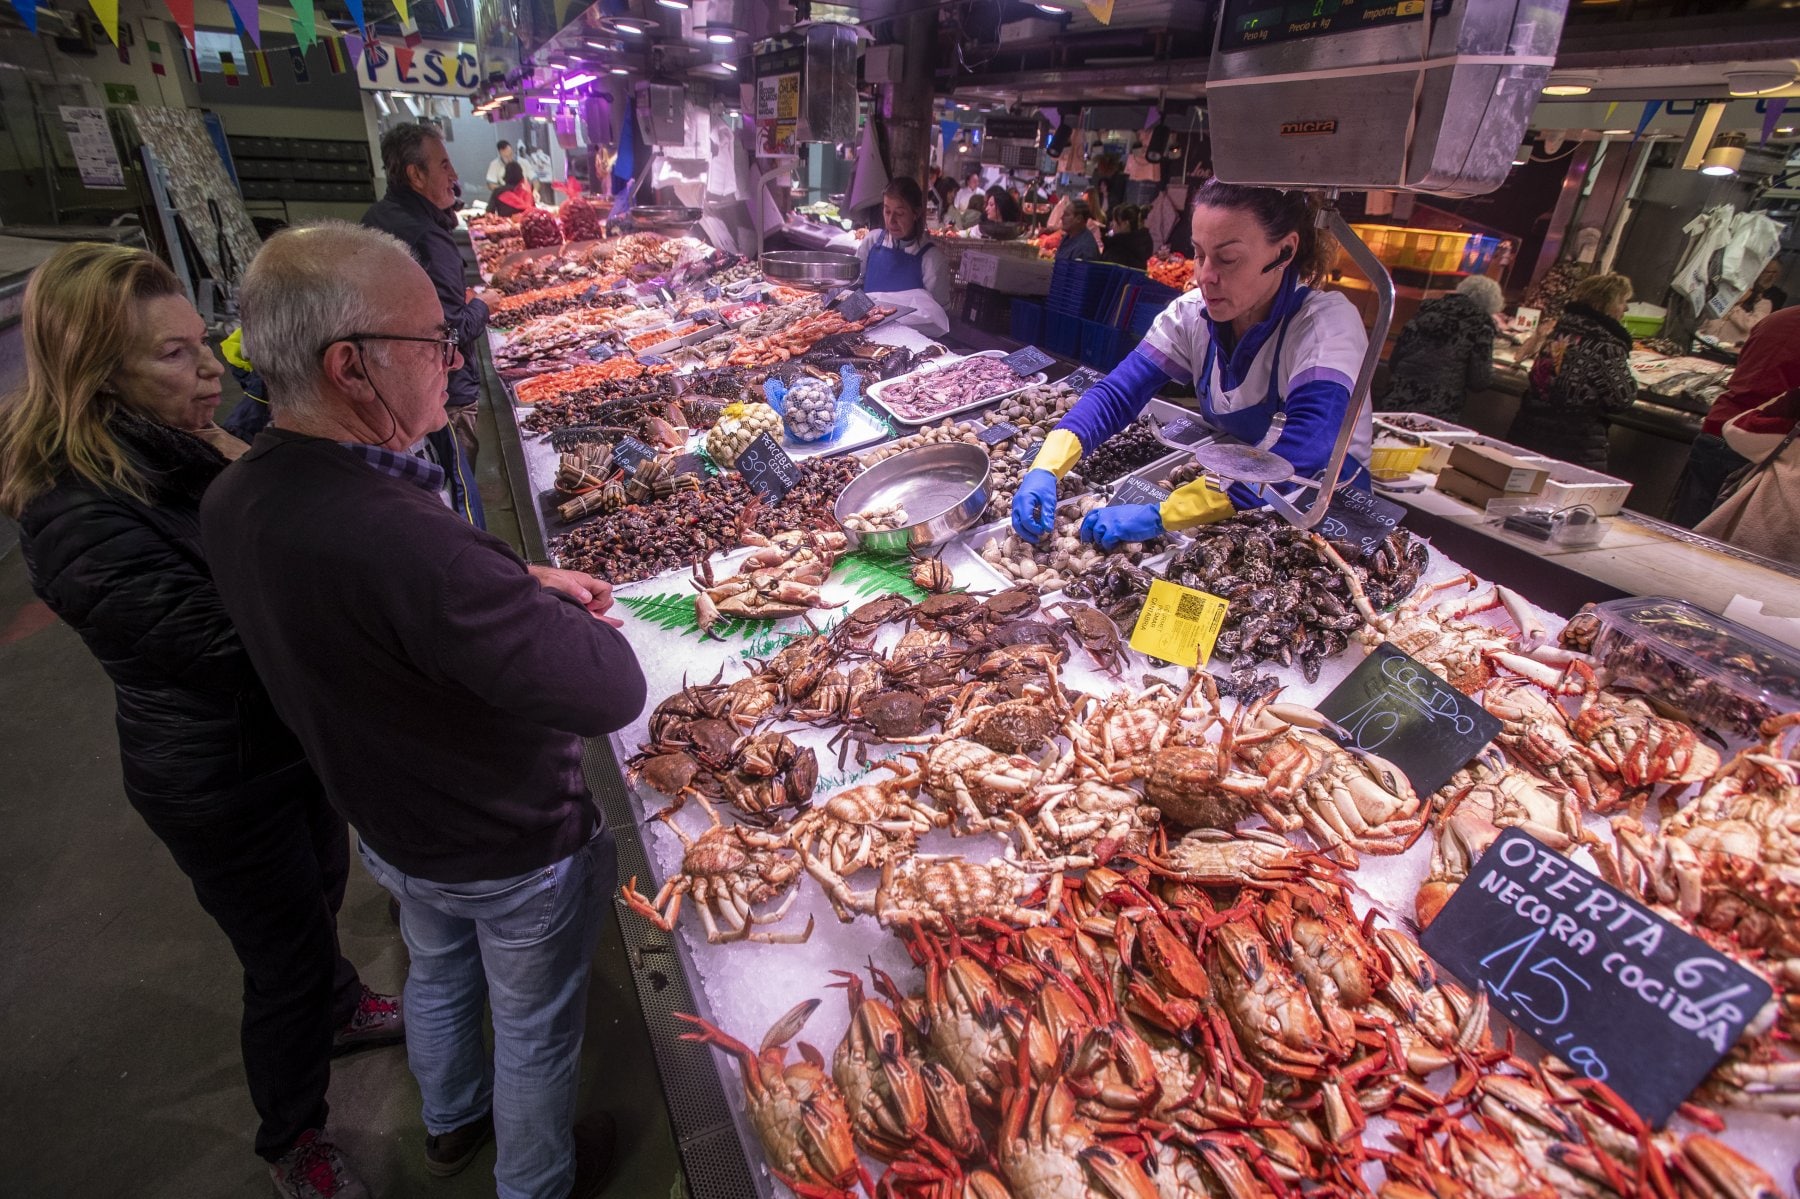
(436, 69)
(1592, 975)
(778, 100)
(92, 143)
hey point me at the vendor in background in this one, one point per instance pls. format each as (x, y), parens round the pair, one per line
(1446, 351)
(537, 161)
(1128, 243)
(514, 195)
(946, 190)
(1253, 339)
(1580, 376)
(1078, 242)
(1762, 299)
(900, 256)
(503, 157)
(1768, 367)
(972, 189)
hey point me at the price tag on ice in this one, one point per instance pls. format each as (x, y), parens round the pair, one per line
(855, 305)
(1359, 520)
(1137, 491)
(1392, 706)
(767, 469)
(997, 432)
(1028, 361)
(1592, 975)
(1178, 624)
(1079, 381)
(1182, 430)
(629, 452)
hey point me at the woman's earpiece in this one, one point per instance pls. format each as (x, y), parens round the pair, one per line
(1287, 252)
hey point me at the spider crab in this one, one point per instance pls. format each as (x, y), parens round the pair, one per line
(728, 869)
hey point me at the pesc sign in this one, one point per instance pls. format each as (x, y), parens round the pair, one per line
(434, 69)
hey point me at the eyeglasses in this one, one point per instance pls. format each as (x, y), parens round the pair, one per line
(447, 342)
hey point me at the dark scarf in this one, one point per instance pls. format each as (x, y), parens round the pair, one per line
(174, 464)
(1601, 322)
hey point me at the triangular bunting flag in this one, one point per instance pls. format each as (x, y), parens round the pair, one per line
(1650, 107)
(1102, 10)
(248, 18)
(108, 12)
(259, 63)
(1772, 118)
(1610, 109)
(354, 45)
(183, 12)
(306, 24)
(444, 11)
(403, 59)
(297, 57)
(27, 10)
(156, 57)
(409, 29)
(335, 56)
(356, 13)
(229, 68)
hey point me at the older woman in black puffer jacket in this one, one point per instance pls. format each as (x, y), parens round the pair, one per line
(1581, 375)
(104, 456)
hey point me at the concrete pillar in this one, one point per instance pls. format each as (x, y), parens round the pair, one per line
(905, 106)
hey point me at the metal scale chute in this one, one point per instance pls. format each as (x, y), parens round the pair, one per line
(1427, 96)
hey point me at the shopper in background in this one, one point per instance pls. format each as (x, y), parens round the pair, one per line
(1762, 299)
(420, 194)
(1255, 339)
(104, 456)
(1445, 353)
(514, 195)
(1580, 376)
(496, 172)
(1109, 181)
(1759, 510)
(1768, 367)
(1128, 243)
(969, 215)
(1556, 288)
(1078, 241)
(1002, 217)
(441, 688)
(946, 190)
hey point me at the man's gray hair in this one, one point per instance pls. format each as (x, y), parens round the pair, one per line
(1484, 291)
(306, 288)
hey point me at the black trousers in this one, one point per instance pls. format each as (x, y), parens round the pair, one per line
(1709, 463)
(269, 865)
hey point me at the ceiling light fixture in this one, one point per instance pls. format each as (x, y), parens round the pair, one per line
(578, 80)
(630, 26)
(1757, 83)
(1571, 85)
(621, 71)
(1617, 132)
(1726, 157)
(1050, 8)
(733, 68)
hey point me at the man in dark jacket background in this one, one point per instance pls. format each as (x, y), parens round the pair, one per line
(417, 209)
(440, 687)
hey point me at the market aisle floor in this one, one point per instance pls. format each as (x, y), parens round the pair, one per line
(119, 998)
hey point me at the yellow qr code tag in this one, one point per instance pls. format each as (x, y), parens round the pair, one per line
(1178, 624)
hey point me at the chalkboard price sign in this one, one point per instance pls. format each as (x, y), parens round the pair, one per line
(1028, 361)
(855, 306)
(997, 432)
(767, 469)
(1183, 431)
(629, 451)
(1079, 381)
(1620, 994)
(1137, 491)
(1392, 706)
(1359, 520)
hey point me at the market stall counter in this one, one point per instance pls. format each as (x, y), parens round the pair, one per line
(961, 870)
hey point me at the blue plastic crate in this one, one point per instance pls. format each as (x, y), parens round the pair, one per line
(1027, 322)
(1062, 334)
(1102, 345)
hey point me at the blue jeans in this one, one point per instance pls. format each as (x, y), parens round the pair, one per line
(524, 945)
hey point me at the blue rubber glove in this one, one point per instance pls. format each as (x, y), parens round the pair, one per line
(1109, 528)
(1034, 505)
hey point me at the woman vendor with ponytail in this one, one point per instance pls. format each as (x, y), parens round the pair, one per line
(1254, 339)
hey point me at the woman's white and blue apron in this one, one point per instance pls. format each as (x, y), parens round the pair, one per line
(893, 268)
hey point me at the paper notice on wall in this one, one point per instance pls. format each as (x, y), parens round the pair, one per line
(92, 143)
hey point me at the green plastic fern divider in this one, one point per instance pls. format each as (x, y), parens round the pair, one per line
(868, 574)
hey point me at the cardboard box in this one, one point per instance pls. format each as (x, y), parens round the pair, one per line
(1499, 470)
(1451, 481)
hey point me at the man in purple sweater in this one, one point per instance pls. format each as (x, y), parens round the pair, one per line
(441, 689)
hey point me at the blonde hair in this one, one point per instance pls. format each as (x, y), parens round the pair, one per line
(1602, 293)
(78, 308)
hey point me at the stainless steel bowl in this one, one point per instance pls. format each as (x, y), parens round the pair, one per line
(811, 268)
(943, 487)
(662, 217)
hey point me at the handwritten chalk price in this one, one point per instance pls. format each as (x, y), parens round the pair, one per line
(1080, 380)
(1393, 706)
(767, 469)
(1178, 624)
(1028, 361)
(1136, 491)
(997, 432)
(1182, 431)
(629, 452)
(1359, 521)
(855, 306)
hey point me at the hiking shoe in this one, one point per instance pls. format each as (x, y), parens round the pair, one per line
(594, 1136)
(376, 1021)
(451, 1152)
(314, 1169)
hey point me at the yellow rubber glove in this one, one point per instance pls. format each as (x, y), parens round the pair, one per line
(233, 350)
(1198, 503)
(1061, 450)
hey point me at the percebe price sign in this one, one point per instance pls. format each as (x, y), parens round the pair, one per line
(767, 469)
(1028, 361)
(1393, 706)
(1178, 624)
(1359, 520)
(1592, 975)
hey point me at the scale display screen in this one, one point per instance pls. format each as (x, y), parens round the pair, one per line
(1251, 23)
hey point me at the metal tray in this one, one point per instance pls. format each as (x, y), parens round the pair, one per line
(944, 488)
(815, 269)
(877, 390)
(864, 430)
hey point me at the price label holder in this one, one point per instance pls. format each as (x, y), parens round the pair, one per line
(652, 360)
(1080, 380)
(706, 316)
(629, 452)
(1028, 361)
(1359, 520)
(1183, 431)
(711, 293)
(1137, 491)
(591, 292)
(1178, 624)
(1592, 975)
(997, 432)
(855, 306)
(601, 351)
(767, 469)
(1392, 706)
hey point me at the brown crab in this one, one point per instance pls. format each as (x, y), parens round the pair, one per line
(984, 787)
(1096, 632)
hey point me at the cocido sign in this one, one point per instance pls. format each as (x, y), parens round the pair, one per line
(433, 69)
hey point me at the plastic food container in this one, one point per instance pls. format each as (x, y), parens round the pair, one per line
(1395, 461)
(1707, 670)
